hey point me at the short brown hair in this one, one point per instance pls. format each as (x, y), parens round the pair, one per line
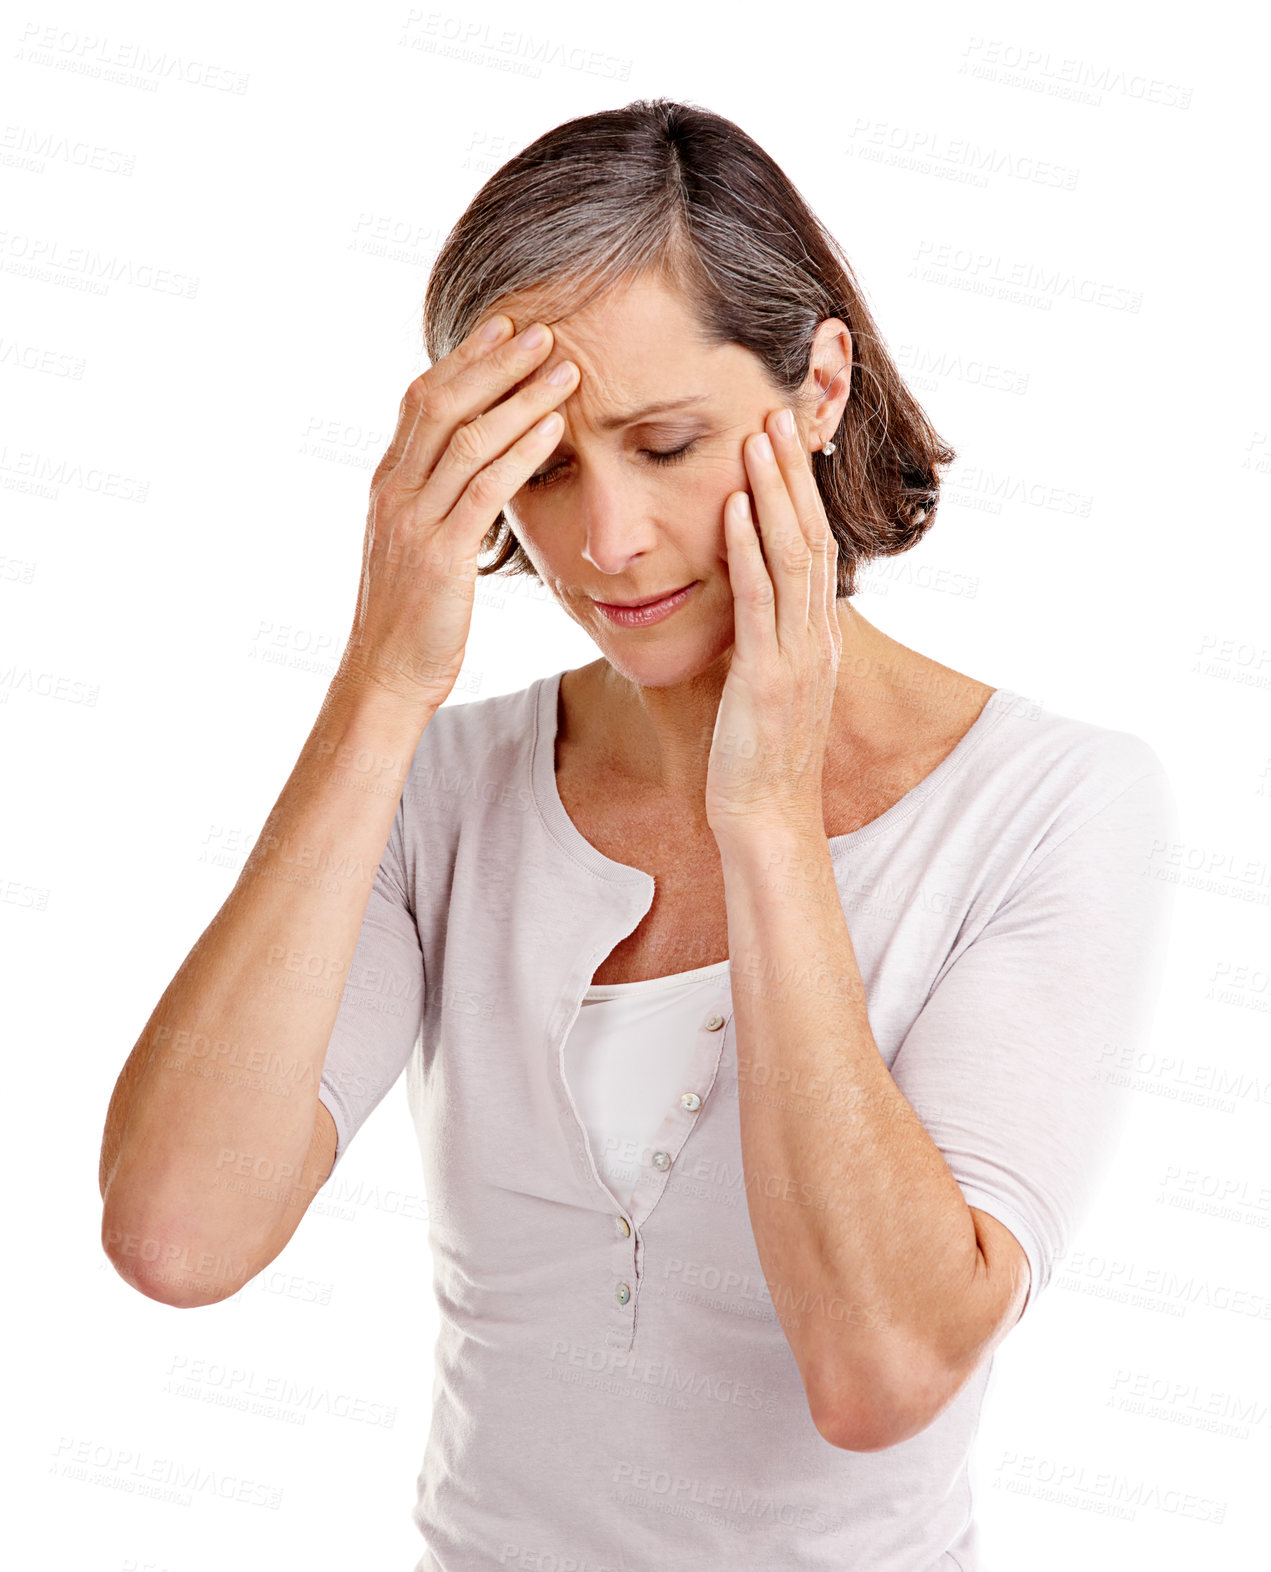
(673, 190)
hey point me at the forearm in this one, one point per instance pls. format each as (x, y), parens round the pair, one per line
(231, 1056)
(866, 1241)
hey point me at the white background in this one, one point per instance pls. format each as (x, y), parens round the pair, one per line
(184, 462)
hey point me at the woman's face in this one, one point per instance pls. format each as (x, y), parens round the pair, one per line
(604, 519)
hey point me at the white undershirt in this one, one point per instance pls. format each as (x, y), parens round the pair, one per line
(626, 1058)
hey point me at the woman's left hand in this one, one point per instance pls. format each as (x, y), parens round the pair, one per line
(773, 723)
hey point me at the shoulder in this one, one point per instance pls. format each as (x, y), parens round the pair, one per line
(473, 756)
(1081, 756)
(480, 733)
(470, 778)
(1061, 772)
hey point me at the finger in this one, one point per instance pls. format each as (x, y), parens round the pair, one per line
(754, 599)
(805, 496)
(445, 398)
(473, 348)
(476, 442)
(491, 487)
(787, 552)
(800, 482)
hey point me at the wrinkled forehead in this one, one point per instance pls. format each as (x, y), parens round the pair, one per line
(566, 310)
(562, 301)
(622, 334)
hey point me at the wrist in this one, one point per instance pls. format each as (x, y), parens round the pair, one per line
(370, 719)
(361, 690)
(750, 837)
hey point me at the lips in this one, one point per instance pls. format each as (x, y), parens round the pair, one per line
(634, 605)
(644, 614)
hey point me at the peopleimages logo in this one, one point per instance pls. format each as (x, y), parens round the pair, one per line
(165, 1478)
(1021, 281)
(504, 48)
(726, 1497)
(1069, 77)
(24, 147)
(127, 64)
(932, 151)
(80, 267)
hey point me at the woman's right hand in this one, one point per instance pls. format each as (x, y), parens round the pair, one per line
(462, 448)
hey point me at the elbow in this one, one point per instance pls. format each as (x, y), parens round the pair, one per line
(154, 1262)
(877, 1416)
(155, 1285)
(872, 1432)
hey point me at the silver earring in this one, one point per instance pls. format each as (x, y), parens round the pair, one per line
(828, 448)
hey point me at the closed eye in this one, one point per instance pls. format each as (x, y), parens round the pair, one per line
(671, 456)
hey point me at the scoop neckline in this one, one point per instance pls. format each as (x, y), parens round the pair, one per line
(695, 974)
(572, 840)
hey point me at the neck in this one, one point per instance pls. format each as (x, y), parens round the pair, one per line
(659, 738)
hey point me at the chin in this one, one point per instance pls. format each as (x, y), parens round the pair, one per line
(664, 662)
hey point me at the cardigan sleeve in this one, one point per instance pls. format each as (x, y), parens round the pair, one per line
(1016, 1063)
(382, 1008)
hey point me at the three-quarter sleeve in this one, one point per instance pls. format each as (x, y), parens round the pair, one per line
(382, 1007)
(1015, 1063)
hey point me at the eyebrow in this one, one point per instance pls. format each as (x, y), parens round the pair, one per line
(612, 422)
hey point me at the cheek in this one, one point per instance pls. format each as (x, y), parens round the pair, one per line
(702, 499)
(523, 535)
(687, 498)
(537, 541)
(522, 524)
(715, 479)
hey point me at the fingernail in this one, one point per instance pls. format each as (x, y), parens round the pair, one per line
(785, 423)
(763, 447)
(493, 329)
(558, 376)
(535, 336)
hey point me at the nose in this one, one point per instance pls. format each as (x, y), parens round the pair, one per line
(614, 521)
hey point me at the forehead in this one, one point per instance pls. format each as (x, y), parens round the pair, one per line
(585, 307)
(633, 341)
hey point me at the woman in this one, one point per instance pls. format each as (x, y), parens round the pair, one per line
(756, 984)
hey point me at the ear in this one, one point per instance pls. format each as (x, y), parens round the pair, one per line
(828, 381)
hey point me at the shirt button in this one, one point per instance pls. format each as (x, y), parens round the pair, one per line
(624, 1228)
(713, 1023)
(691, 1101)
(624, 1293)
(662, 1160)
